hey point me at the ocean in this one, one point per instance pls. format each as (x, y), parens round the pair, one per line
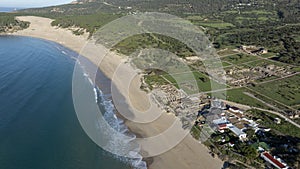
(39, 128)
(8, 9)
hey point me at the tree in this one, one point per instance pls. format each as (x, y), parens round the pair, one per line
(280, 14)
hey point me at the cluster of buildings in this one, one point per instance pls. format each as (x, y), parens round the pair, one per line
(216, 115)
(230, 118)
(222, 117)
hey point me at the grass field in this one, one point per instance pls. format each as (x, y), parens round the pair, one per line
(226, 64)
(286, 91)
(202, 80)
(154, 79)
(237, 95)
(195, 18)
(196, 132)
(239, 58)
(261, 62)
(267, 55)
(226, 52)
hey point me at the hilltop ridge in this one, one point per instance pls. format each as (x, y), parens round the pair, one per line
(287, 7)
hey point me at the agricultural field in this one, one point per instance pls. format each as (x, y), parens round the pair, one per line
(285, 91)
(237, 95)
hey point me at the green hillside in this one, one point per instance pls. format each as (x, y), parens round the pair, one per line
(229, 23)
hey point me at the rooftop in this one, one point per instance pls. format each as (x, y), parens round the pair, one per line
(236, 131)
(273, 160)
(221, 121)
(234, 108)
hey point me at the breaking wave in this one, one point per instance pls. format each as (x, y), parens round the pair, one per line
(124, 141)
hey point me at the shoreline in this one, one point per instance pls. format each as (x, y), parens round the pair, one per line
(187, 154)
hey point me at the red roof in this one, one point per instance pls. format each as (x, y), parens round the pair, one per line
(222, 126)
(270, 157)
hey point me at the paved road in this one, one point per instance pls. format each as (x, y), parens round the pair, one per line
(280, 115)
(246, 107)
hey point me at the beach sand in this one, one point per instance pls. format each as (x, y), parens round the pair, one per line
(188, 154)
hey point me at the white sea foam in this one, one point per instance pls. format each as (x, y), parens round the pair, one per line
(90, 80)
(66, 53)
(96, 95)
(63, 52)
(124, 141)
(128, 139)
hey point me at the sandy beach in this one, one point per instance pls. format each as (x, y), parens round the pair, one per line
(188, 154)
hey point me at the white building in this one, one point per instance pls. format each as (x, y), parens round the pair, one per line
(239, 133)
(221, 120)
(235, 110)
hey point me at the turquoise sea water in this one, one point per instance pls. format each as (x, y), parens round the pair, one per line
(38, 124)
